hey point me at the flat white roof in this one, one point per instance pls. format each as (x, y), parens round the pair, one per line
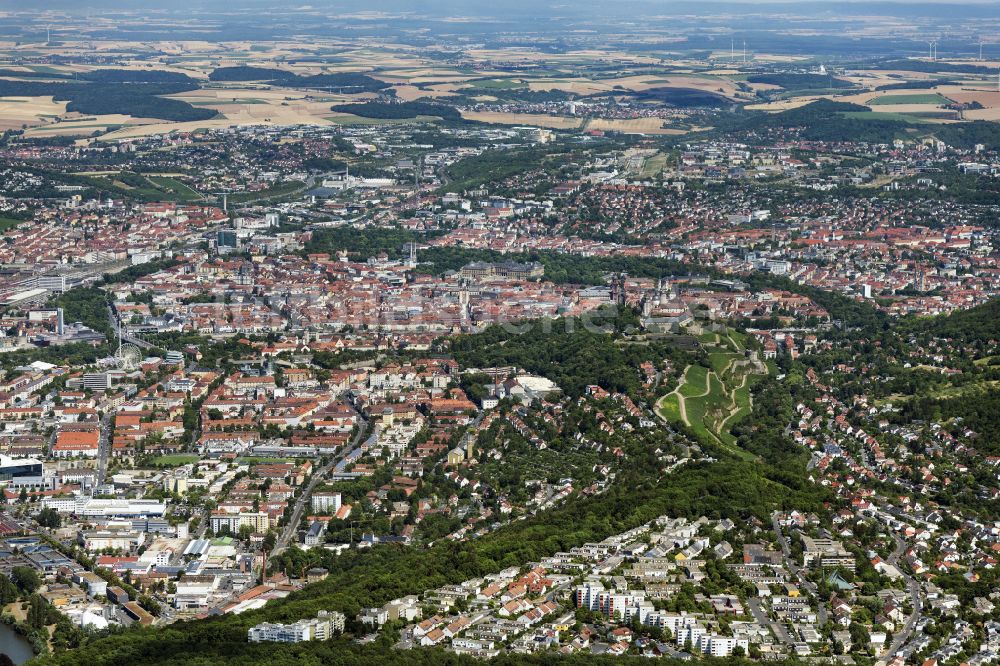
(7, 461)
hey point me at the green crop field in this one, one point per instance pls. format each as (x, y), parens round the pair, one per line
(916, 98)
(497, 84)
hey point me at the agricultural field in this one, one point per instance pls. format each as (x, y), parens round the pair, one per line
(635, 84)
(88, 125)
(412, 93)
(539, 120)
(17, 112)
(498, 84)
(989, 99)
(916, 98)
(632, 126)
(351, 119)
(717, 79)
(785, 104)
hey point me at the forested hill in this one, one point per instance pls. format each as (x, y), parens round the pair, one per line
(572, 353)
(347, 81)
(739, 490)
(978, 324)
(730, 486)
(977, 410)
(137, 94)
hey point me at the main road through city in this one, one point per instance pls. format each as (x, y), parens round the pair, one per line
(350, 452)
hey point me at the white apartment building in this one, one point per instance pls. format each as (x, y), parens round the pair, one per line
(325, 503)
(320, 628)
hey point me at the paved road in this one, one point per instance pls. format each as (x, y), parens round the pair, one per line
(138, 342)
(786, 551)
(293, 524)
(472, 431)
(103, 449)
(914, 588)
(779, 630)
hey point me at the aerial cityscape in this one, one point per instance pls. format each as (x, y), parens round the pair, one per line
(466, 332)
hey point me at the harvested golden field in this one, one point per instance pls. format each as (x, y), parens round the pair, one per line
(410, 93)
(983, 114)
(262, 95)
(145, 66)
(881, 77)
(707, 83)
(885, 95)
(15, 112)
(634, 83)
(513, 54)
(76, 125)
(992, 64)
(580, 86)
(425, 73)
(574, 86)
(764, 87)
(191, 47)
(783, 104)
(167, 128)
(632, 126)
(264, 110)
(249, 106)
(988, 98)
(294, 113)
(454, 80)
(858, 98)
(535, 119)
(525, 54)
(220, 94)
(617, 56)
(774, 57)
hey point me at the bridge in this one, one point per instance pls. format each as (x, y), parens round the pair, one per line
(123, 333)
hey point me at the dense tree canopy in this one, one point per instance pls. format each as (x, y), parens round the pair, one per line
(137, 99)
